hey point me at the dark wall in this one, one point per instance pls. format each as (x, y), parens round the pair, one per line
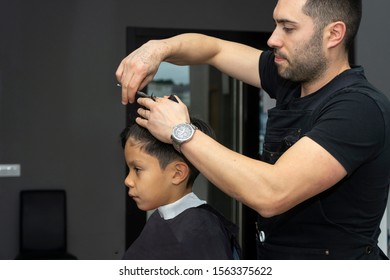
(372, 52)
(60, 111)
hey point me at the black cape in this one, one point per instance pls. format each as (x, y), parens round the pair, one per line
(198, 233)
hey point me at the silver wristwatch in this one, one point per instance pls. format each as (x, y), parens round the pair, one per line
(182, 133)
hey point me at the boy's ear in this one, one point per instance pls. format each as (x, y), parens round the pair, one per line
(181, 172)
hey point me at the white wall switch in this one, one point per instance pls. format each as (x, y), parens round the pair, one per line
(9, 170)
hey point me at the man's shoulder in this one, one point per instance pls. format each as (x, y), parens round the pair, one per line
(362, 96)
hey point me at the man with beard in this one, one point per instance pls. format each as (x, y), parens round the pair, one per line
(321, 186)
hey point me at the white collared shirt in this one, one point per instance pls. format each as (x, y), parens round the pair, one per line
(170, 211)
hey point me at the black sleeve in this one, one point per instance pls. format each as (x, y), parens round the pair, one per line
(351, 128)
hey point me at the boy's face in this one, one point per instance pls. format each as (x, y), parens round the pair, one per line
(149, 186)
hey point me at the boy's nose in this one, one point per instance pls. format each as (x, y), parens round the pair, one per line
(129, 182)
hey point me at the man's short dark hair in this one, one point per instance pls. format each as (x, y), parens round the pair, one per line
(325, 12)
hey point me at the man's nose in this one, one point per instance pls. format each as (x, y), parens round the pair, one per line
(274, 41)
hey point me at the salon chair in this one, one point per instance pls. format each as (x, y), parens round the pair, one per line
(42, 228)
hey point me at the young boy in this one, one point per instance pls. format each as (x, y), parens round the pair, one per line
(183, 226)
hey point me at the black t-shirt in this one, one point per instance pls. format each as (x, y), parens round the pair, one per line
(354, 126)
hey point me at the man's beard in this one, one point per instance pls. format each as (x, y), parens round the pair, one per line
(309, 62)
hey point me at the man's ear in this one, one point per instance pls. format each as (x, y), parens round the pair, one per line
(335, 33)
(181, 172)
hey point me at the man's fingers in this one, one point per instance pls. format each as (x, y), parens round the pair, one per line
(146, 102)
(142, 122)
(119, 72)
(143, 113)
(128, 91)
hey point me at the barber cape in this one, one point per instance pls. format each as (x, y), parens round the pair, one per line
(181, 231)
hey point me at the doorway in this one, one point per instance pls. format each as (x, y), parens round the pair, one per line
(231, 107)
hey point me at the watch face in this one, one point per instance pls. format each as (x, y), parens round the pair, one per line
(183, 132)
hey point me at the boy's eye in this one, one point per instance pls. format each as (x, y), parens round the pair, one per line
(137, 169)
(287, 29)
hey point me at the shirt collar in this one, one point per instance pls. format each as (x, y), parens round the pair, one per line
(170, 211)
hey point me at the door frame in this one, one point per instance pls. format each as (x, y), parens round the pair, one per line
(249, 124)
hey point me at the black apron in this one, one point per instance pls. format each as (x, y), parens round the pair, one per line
(304, 232)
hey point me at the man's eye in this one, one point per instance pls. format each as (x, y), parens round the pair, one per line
(287, 29)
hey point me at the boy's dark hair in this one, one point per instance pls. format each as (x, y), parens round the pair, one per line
(325, 12)
(165, 153)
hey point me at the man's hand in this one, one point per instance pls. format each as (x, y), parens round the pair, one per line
(161, 115)
(138, 68)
